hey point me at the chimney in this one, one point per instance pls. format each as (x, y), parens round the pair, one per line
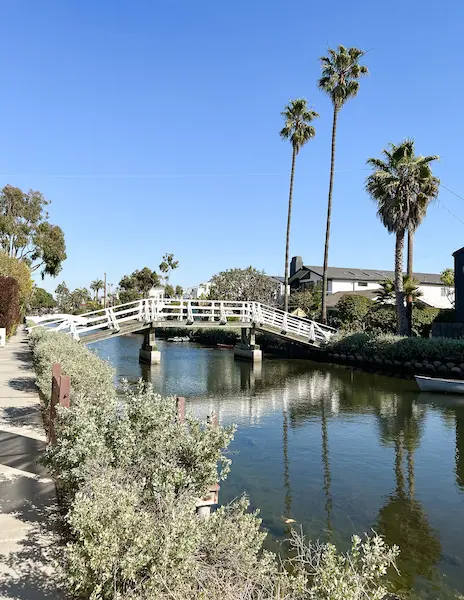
(295, 265)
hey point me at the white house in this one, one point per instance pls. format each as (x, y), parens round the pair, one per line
(197, 291)
(352, 280)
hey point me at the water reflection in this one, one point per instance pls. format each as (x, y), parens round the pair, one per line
(337, 450)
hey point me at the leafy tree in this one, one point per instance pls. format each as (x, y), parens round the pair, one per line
(137, 284)
(340, 74)
(63, 297)
(351, 312)
(96, 286)
(447, 278)
(399, 185)
(169, 291)
(297, 129)
(167, 265)
(78, 298)
(25, 232)
(309, 301)
(41, 299)
(19, 270)
(244, 285)
(179, 291)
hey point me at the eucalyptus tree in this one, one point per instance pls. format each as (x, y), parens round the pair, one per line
(298, 130)
(341, 72)
(402, 185)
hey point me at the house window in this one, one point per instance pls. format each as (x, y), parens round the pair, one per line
(362, 283)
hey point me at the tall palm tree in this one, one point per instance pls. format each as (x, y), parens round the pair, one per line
(297, 129)
(401, 185)
(96, 286)
(340, 74)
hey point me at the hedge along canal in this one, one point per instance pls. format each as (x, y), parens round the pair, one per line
(336, 450)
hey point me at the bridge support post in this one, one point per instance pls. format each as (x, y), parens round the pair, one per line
(247, 349)
(149, 353)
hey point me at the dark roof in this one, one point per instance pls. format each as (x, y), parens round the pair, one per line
(365, 274)
(458, 252)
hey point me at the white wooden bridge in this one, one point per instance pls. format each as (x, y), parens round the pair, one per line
(150, 313)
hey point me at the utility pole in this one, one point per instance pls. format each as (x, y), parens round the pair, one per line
(104, 292)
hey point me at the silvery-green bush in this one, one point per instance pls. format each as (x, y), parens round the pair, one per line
(87, 371)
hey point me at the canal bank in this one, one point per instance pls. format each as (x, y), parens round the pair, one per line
(337, 450)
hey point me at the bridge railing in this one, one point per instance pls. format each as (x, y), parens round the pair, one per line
(151, 310)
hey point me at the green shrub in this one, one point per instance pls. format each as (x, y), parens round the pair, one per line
(399, 348)
(381, 318)
(351, 312)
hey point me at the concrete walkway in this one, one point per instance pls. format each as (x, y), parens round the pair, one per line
(28, 544)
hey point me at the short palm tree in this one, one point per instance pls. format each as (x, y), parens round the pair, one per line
(386, 294)
(340, 81)
(96, 286)
(401, 185)
(298, 130)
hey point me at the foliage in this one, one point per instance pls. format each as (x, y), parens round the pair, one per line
(356, 575)
(410, 288)
(167, 265)
(341, 72)
(63, 297)
(351, 312)
(86, 370)
(179, 291)
(399, 348)
(297, 129)
(169, 291)
(18, 269)
(137, 284)
(10, 310)
(25, 232)
(244, 285)
(308, 300)
(447, 278)
(381, 318)
(96, 286)
(41, 299)
(403, 186)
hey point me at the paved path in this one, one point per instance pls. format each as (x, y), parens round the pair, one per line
(28, 545)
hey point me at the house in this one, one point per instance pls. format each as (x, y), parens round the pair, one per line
(365, 281)
(156, 292)
(197, 291)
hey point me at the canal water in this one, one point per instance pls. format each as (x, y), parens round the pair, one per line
(338, 451)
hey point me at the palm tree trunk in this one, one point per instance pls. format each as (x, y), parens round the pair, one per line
(289, 220)
(410, 251)
(329, 214)
(409, 273)
(401, 317)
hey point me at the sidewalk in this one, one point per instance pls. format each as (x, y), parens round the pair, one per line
(27, 495)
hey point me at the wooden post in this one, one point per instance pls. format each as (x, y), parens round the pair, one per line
(65, 388)
(203, 505)
(180, 404)
(54, 399)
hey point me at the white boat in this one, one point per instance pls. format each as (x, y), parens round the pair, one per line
(444, 386)
(179, 339)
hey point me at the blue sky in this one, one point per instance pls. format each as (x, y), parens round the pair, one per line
(153, 126)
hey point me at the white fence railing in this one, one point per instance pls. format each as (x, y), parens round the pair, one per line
(188, 312)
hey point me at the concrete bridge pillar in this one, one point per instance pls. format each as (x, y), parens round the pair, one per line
(247, 349)
(149, 353)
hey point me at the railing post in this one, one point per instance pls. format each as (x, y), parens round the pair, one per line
(189, 313)
(64, 390)
(203, 505)
(180, 406)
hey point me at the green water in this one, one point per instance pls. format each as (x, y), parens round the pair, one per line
(338, 451)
